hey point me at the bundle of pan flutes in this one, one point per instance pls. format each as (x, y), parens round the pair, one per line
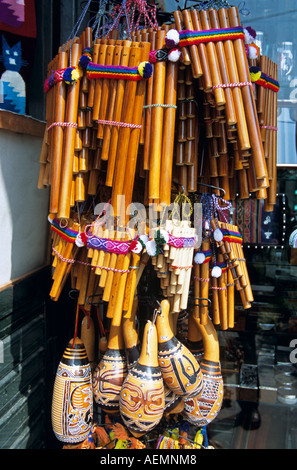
(200, 117)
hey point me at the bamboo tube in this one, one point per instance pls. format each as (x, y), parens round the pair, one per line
(248, 99)
(186, 59)
(230, 108)
(99, 81)
(204, 289)
(92, 83)
(195, 59)
(128, 59)
(157, 112)
(168, 132)
(69, 139)
(130, 289)
(213, 62)
(128, 175)
(112, 101)
(148, 110)
(206, 78)
(230, 296)
(105, 94)
(129, 112)
(242, 128)
(223, 297)
(56, 158)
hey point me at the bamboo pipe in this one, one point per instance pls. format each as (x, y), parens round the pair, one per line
(157, 113)
(99, 81)
(119, 49)
(195, 59)
(168, 133)
(250, 108)
(110, 59)
(186, 59)
(148, 110)
(92, 82)
(219, 94)
(128, 59)
(56, 158)
(128, 114)
(204, 289)
(128, 174)
(223, 297)
(230, 107)
(130, 289)
(206, 78)
(69, 139)
(242, 128)
(230, 297)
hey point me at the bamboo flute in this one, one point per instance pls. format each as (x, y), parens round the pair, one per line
(222, 291)
(168, 133)
(128, 114)
(148, 109)
(99, 81)
(230, 297)
(250, 108)
(219, 94)
(229, 107)
(119, 48)
(186, 59)
(110, 59)
(92, 82)
(242, 129)
(206, 78)
(156, 130)
(69, 138)
(204, 287)
(56, 158)
(193, 49)
(128, 174)
(127, 59)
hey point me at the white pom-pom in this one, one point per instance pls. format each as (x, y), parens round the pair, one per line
(144, 239)
(218, 235)
(137, 247)
(199, 258)
(172, 38)
(79, 242)
(216, 271)
(174, 55)
(248, 38)
(151, 248)
(253, 51)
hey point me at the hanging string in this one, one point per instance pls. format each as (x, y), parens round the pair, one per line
(76, 324)
(76, 28)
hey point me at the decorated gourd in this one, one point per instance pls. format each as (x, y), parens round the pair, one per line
(110, 373)
(204, 408)
(180, 370)
(72, 401)
(142, 398)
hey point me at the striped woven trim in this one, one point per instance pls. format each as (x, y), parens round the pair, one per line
(260, 78)
(65, 232)
(232, 237)
(188, 37)
(114, 71)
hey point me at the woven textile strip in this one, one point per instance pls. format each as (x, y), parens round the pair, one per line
(189, 38)
(115, 71)
(65, 232)
(111, 246)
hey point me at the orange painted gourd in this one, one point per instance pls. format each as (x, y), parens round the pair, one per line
(142, 398)
(72, 401)
(204, 408)
(110, 373)
(180, 370)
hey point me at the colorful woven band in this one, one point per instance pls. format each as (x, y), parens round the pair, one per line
(232, 237)
(65, 232)
(181, 242)
(118, 71)
(260, 78)
(188, 37)
(111, 246)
